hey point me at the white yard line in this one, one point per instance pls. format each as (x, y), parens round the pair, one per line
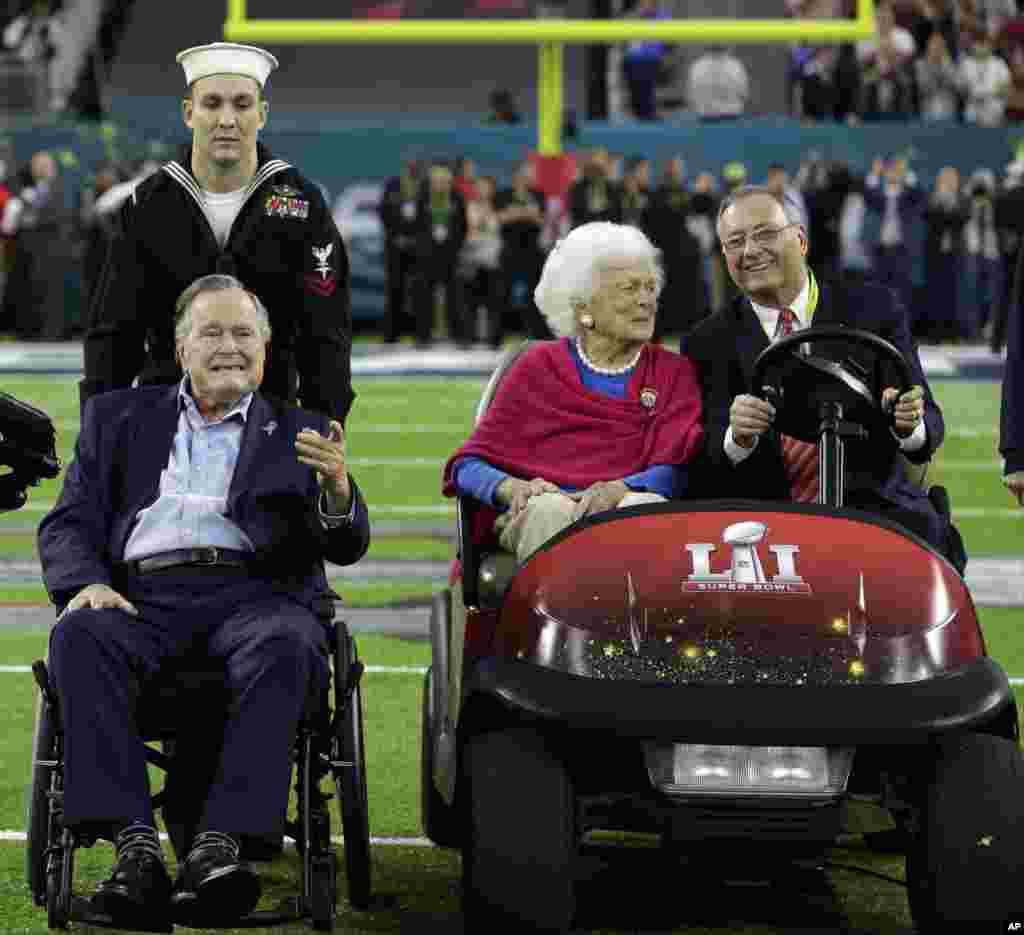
(443, 509)
(960, 431)
(430, 509)
(372, 670)
(399, 670)
(337, 839)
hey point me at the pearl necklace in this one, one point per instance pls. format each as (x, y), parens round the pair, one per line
(606, 371)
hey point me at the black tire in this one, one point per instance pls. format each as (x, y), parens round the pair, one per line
(967, 863)
(37, 818)
(519, 862)
(59, 872)
(323, 889)
(351, 782)
(440, 822)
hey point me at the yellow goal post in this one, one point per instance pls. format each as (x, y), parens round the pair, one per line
(550, 36)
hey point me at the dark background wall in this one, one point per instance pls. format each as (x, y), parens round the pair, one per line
(343, 79)
(348, 80)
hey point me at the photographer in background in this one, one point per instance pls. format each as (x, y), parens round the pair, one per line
(43, 253)
(983, 259)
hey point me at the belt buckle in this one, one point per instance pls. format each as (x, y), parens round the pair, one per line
(210, 556)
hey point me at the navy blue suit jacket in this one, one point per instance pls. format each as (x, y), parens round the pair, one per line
(125, 443)
(1011, 429)
(724, 347)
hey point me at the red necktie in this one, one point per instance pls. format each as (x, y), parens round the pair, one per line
(800, 458)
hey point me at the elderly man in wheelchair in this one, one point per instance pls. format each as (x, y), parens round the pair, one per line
(193, 521)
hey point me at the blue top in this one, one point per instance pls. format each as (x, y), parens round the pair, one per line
(476, 478)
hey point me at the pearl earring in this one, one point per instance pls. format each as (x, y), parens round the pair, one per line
(587, 321)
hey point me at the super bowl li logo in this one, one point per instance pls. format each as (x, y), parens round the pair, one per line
(745, 571)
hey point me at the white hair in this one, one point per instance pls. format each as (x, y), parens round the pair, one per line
(214, 282)
(570, 273)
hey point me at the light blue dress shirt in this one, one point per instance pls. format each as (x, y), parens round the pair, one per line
(189, 511)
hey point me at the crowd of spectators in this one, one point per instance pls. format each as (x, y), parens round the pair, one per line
(947, 250)
(47, 234)
(933, 59)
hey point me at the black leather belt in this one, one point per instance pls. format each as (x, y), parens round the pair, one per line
(207, 557)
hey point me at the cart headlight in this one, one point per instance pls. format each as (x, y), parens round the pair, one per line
(707, 769)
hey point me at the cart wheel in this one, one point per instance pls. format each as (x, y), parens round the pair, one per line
(519, 864)
(439, 818)
(351, 781)
(37, 820)
(58, 902)
(323, 892)
(967, 863)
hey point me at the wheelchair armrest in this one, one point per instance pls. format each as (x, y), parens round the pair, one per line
(469, 555)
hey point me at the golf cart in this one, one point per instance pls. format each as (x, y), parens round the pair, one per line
(732, 676)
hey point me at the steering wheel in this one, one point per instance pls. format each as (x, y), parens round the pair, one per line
(799, 373)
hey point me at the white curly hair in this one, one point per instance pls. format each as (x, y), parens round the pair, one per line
(570, 272)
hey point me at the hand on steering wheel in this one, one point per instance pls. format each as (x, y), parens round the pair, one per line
(907, 410)
(749, 418)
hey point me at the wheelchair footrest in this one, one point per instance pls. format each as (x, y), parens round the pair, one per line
(82, 911)
(288, 910)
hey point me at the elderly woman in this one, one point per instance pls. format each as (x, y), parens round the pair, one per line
(600, 418)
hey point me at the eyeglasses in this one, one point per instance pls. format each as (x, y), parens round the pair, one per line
(762, 237)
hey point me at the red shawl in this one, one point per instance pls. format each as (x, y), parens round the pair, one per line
(543, 422)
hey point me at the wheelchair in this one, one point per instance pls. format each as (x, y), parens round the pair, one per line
(329, 740)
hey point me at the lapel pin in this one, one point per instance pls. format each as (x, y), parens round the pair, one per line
(648, 397)
(269, 428)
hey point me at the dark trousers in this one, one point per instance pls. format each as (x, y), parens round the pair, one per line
(521, 271)
(36, 285)
(893, 267)
(400, 266)
(921, 518)
(482, 292)
(642, 81)
(275, 655)
(982, 292)
(442, 270)
(939, 315)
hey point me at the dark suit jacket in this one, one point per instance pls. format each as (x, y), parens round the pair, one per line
(447, 250)
(724, 348)
(1011, 431)
(579, 203)
(125, 443)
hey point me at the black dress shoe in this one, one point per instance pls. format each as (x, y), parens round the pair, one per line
(214, 887)
(139, 888)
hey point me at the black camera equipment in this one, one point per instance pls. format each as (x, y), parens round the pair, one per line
(27, 450)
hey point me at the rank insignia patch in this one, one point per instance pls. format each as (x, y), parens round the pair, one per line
(287, 202)
(324, 280)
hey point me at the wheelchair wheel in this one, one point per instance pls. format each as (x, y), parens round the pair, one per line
(350, 777)
(59, 874)
(37, 820)
(323, 892)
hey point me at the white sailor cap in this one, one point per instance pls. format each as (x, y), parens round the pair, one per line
(226, 58)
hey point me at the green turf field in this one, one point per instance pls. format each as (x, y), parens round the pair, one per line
(401, 431)
(418, 886)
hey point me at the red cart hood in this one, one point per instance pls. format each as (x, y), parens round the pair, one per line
(741, 596)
